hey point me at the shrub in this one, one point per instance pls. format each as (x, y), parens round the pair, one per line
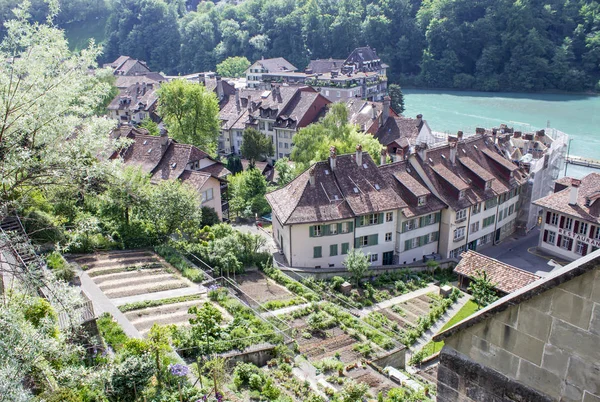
(255, 382)
(336, 282)
(111, 331)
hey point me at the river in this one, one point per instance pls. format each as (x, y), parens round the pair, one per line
(450, 111)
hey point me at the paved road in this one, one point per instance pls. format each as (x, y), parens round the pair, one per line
(515, 250)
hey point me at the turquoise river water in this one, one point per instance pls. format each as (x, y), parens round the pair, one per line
(450, 111)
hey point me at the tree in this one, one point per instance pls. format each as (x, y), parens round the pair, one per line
(357, 263)
(312, 143)
(285, 172)
(234, 164)
(482, 289)
(256, 145)
(206, 324)
(233, 67)
(159, 343)
(151, 126)
(353, 391)
(397, 98)
(191, 113)
(247, 191)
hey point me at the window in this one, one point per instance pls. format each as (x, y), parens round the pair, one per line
(372, 219)
(286, 145)
(373, 257)
(339, 94)
(458, 251)
(566, 243)
(363, 241)
(422, 200)
(488, 184)
(270, 126)
(461, 215)
(207, 195)
(317, 252)
(345, 227)
(345, 247)
(474, 227)
(388, 237)
(333, 229)
(280, 144)
(459, 233)
(333, 250)
(550, 237)
(461, 194)
(554, 219)
(476, 209)
(409, 225)
(491, 203)
(434, 236)
(511, 209)
(596, 233)
(261, 125)
(389, 216)
(316, 231)
(569, 224)
(583, 228)
(489, 221)
(581, 248)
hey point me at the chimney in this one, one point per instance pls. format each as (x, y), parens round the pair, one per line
(220, 93)
(575, 183)
(383, 158)
(494, 135)
(419, 120)
(422, 150)
(311, 174)
(480, 130)
(164, 137)
(459, 136)
(373, 112)
(453, 153)
(249, 103)
(332, 156)
(237, 97)
(387, 101)
(359, 155)
(517, 134)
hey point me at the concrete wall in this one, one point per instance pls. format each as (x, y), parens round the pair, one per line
(395, 358)
(215, 203)
(545, 348)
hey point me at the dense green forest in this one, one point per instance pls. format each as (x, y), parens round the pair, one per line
(490, 45)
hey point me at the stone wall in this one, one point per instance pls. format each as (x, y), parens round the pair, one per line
(545, 348)
(395, 358)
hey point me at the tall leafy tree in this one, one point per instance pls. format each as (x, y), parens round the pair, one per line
(234, 67)
(190, 112)
(482, 289)
(357, 264)
(397, 98)
(247, 192)
(256, 145)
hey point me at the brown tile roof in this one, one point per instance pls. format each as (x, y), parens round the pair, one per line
(305, 107)
(350, 190)
(410, 187)
(554, 279)
(194, 178)
(476, 168)
(360, 112)
(325, 66)
(499, 159)
(448, 179)
(146, 151)
(277, 64)
(139, 96)
(217, 170)
(398, 129)
(505, 277)
(125, 81)
(173, 162)
(588, 190)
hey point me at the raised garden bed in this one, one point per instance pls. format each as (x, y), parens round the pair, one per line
(262, 289)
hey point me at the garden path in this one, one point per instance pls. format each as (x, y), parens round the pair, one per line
(286, 310)
(399, 299)
(103, 304)
(427, 335)
(190, 290)
(305, 371)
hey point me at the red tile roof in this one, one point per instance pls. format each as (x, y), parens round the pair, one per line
(506, 278)
(588, 190)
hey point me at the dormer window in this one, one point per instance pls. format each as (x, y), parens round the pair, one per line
(422, 200)
(488, 184)
(461, 194)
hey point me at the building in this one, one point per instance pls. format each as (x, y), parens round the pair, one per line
(349, 202)
(254, 74)
(539, 343)
(165, 159)
(505, 277)
(125, 81)
(571, 218)
(135, 103)
(361, 75)
(278, 113)
(369, 116)
(478, 184)
(127, 66)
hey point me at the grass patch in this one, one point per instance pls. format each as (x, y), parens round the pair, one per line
(111, 331)
(155, 303)
(466, 311)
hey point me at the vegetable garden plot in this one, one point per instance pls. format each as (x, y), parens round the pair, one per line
(260, 288)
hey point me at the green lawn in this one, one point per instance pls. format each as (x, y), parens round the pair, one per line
(468, 309)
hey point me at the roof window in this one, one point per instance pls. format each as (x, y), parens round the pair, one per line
(364, 165)
(355, 190)
(377, 187)
(174, 165)
(326, 171)
(145, 142)
(150, 150)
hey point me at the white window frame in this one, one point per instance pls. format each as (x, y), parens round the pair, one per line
(461, 215)
(345, 227)
(388, 236)
(583, 227)
(474, 227)
(551, 237)
(422, 200)
(389, 216)
(569, 223)
(554, 218)
(317, 231)
(364, 241)
(333, 229)
(459, 233)
(207, 195)
(579, 247)
(373, 257)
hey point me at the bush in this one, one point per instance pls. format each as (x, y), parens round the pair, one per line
(111, 331)
(255, 382)
(336, 282)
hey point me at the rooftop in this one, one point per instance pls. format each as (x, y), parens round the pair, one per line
(505, 277)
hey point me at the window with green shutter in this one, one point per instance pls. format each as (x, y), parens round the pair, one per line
(407, 245)
(345, 247)
(333, 250)
(317, 252)
(373, 240)
(435, 236)
(438, 217)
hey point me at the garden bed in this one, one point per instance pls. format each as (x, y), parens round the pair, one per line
(262, 289)
(376, 381)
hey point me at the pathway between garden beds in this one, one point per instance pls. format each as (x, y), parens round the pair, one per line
(190, 290)
(439, 324)
(399, 299)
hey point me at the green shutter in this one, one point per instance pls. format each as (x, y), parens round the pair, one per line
(438, 217)
(311, 231)
(425, 239)
(357, 242)
(317, 252)
(373, 239)
(404, 227)
(345, 247)
(407, 245)
(325, 230)
(333, 250)
(381, 218)
(339, 228)
(421, 221)
(359, 221)
(436, 236)
(350, 226)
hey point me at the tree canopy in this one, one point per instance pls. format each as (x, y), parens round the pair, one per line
(357, 264)
(191, 113)
(312, 143)
(482, 289)
(397, 98)
(233, 67)
(256, 145)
